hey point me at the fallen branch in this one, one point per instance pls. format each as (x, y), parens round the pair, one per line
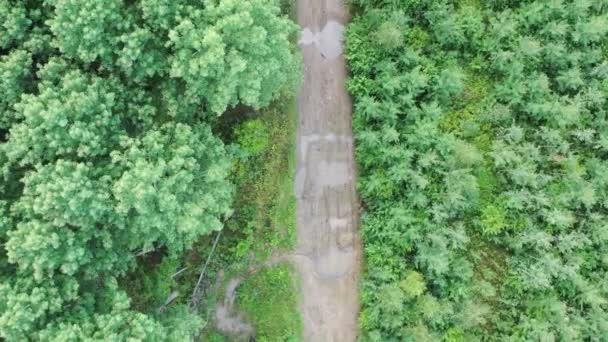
(170, 298)
(193, 302)
(144, 252)
(179, 272)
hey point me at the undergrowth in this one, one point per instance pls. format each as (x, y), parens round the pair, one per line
(263, 224)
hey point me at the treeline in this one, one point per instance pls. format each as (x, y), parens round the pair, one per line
(482, 143)
(107, 149)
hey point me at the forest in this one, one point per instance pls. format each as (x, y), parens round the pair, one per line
(126, 129)
(482, 142)
(147, 160)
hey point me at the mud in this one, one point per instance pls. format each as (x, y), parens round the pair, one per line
(329, 251)
(227, 319)
(328, 41)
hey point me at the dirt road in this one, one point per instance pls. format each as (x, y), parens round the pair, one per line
(328, 254)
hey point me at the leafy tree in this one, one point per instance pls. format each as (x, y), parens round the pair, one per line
(390, 32)
(106, 149)
(15, 69)
(492, 219)
(172, 187)
(413, 284)
(226, 66)
(15, 22)
(72, 117)
(60, 213)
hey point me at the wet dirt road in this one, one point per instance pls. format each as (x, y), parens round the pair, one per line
(328, 253)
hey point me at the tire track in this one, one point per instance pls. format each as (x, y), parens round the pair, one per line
(329, 251)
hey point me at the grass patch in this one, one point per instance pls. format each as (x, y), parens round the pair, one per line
(265, 203)
(263, 224)
(269, 300)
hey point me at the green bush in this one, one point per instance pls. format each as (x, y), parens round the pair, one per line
(253, 136)
(268, 298)
(481, 149)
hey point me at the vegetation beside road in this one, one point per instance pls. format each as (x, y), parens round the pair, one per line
(480, 132)
(117, 168)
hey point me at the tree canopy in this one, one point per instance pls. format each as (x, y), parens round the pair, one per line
(106, 148)
(480, 132)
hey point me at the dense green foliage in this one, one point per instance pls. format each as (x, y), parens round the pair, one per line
(481, 131)
(106, 149)
(262, 225)
(269, 301)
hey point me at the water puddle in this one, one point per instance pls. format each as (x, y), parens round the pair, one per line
(328, 41)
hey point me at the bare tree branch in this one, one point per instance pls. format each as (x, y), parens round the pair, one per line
(200, 278)
(145, 251)
(179, 272)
